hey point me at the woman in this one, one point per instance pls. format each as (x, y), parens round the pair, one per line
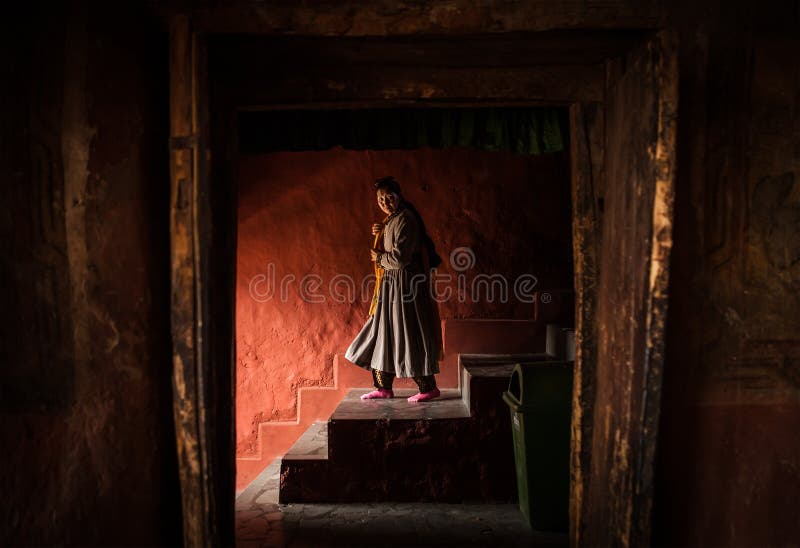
(402, 337)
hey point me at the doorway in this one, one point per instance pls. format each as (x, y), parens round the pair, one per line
(622, 99)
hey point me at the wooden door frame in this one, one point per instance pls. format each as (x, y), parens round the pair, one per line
(189, 181)
(201, 346)
(586, 174)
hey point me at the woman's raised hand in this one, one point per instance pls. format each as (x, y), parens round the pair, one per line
(376, 227)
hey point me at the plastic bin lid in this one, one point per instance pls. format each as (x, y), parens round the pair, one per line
(539, 383)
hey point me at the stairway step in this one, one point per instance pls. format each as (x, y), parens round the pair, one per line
(314, 403)
(487, 365)
(312, 445)
(305, 470)
(393, 450)
(484, 377)
(448, 406)
(381, 435)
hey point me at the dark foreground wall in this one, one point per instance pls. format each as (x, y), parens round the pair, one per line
(728, 469)
(88, 454)
(85, 431)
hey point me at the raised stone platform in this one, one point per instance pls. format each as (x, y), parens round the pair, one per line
(457, 448)
(312, 445)
(261, 521)
(448, 406)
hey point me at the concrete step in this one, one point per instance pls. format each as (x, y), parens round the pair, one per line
(305, 470)
(273, 438)
(489, 374)
(454, 449)
(312, 445)
(314, 403)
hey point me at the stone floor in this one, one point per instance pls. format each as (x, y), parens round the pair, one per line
(261, 522)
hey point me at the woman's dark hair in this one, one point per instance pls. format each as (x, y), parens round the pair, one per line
(388, 183)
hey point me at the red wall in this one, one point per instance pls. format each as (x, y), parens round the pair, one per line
(310, 213)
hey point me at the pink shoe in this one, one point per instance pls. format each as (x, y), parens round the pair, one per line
(380, 393)
(425, 396)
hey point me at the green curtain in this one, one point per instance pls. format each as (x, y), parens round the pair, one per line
(518, 130)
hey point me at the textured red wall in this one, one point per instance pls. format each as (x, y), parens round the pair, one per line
(310, 213)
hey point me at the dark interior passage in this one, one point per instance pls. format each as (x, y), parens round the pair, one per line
(103, 440)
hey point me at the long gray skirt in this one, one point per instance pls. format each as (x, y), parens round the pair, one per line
(398, 338)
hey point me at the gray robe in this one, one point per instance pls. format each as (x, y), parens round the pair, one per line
(398, 338)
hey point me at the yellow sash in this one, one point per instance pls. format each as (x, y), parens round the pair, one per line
(378, 246)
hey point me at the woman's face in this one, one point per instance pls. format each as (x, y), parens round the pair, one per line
(387, 200)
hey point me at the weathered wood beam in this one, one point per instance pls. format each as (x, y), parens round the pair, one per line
(410, 17)
(563, 47)
(586, 153)
(188, 169)
(641, 112)
(555, 85)
(665, 55)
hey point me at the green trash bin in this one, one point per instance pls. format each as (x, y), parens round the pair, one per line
(539, 396)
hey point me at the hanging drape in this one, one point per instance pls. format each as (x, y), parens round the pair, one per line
(519, 130)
